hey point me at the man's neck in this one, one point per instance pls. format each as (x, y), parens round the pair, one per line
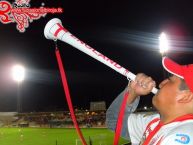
(171, 117)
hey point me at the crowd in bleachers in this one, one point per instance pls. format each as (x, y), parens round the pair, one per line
(62, 119)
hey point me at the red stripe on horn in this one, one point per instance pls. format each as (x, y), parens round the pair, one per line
(59, 29)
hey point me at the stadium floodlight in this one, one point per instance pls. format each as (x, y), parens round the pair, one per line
(163, 43)
(164, 47)
(18, 73)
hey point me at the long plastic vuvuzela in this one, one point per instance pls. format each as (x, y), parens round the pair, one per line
(54, 30)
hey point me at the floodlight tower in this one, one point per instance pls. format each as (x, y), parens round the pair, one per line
(164, 47)
(163, 44)
(18, 73)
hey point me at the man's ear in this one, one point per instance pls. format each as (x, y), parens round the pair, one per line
(184, 96)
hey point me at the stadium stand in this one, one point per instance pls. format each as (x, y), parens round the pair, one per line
(85, 118)
(7, 118)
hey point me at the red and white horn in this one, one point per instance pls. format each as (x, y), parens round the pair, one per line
(54, 30)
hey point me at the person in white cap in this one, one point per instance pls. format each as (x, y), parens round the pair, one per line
(173, 124)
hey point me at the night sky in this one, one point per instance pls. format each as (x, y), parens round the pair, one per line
(125, 31)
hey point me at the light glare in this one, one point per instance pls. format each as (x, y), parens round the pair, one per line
(163, 43)
(18, 73)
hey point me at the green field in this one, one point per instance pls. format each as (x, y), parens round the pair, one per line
(46, 136)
